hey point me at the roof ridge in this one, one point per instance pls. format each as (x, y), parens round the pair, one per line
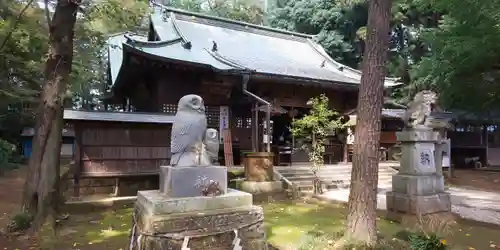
(121, 33)
(133, 41)
(217, 56)
(227, 20)
(186, 43)
(323, 53)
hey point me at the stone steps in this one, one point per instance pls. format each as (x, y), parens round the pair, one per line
(333, 176)
(326, 175)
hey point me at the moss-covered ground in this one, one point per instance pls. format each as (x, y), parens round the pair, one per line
(289, 225)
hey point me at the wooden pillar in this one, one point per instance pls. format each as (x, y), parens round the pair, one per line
(346, 152)
(254, 134)
(117, 187)
(486, 143)
(78, 161)
(255, 128)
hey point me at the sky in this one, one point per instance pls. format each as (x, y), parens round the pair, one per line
(41, 4)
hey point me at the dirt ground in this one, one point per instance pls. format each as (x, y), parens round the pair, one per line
(476, 179)
(11, 187)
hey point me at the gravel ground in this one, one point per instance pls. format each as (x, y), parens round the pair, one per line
(469, 204)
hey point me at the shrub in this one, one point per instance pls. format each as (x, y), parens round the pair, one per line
(6, 151)
(421, 241)
(20, 222)
(428, 231)
(234, 178)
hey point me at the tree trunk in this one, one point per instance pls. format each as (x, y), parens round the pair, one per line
(361, 220)
(44, 162)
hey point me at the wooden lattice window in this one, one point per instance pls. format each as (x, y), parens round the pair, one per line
(239, 122)
(213, 115)
(168, 108)
(248, 122)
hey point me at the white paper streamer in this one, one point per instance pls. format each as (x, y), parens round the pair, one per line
(185, 243)
(236, 241)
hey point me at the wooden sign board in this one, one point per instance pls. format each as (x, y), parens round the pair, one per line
(228, 148)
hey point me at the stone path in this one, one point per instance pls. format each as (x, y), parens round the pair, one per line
(469, 204)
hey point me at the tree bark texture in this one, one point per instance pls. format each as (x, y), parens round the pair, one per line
(361, 220)
(41, 182)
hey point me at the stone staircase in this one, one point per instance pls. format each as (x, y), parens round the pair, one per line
(333, 176)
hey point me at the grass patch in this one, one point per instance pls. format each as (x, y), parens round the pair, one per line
(301, 224)
(296, 225)
(100, 230)
(289, 225)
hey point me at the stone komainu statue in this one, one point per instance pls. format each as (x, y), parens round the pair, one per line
(419, 110)
(189, 134)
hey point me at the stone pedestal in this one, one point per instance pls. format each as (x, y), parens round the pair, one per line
(179, 217)
(223, 222)
(258, 166)
(259, 177)
(264, 191)
(418, 188)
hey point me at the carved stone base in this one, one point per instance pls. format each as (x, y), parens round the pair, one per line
(209, 222)
(255, 187)
(417, 185)
(430, 222)
(418, 204)
(265, 191)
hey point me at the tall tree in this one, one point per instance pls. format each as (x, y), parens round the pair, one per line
(361, 220)
(464, 58)
(41, 189)
(337, 25)
(410, 20)
(98, 20)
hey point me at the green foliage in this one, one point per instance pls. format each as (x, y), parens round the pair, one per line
(335, 22)
(464, 56)
(235, 10)
(6, 151)
(315, 126)
(234, 178)
(21, 64)
(421, 241)
(104, 18)
(22, 59)
(20, 222)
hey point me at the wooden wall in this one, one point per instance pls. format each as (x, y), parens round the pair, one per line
(117, 149)
(292, 95)
(216, 90)
(171, 86)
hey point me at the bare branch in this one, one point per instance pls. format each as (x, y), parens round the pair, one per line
(47, 12)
